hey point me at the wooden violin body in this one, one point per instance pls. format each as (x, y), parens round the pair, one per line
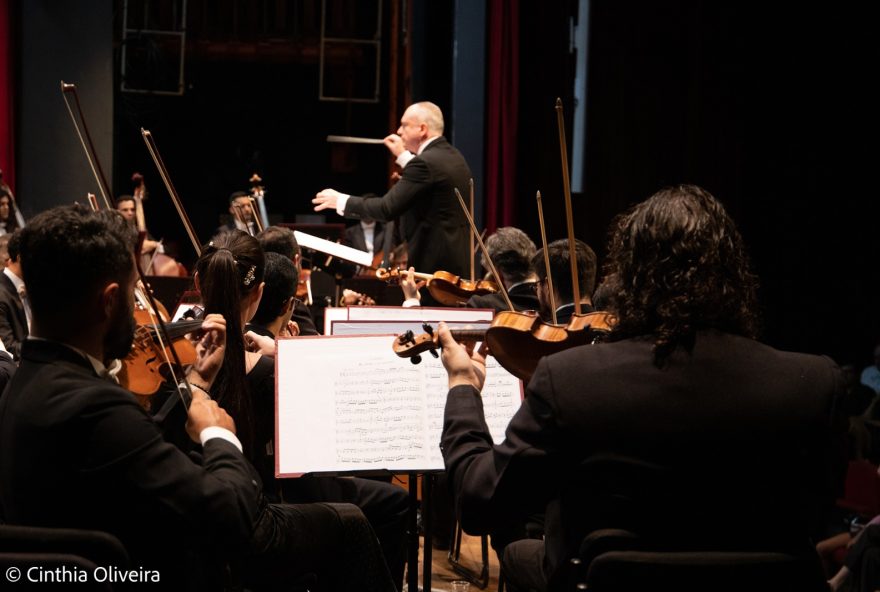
(446, 288)
(146, 366)
(518, 340)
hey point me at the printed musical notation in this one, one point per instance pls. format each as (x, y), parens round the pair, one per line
(348, 404)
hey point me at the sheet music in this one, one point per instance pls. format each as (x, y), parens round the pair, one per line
(396, 327)
(419, 313)
(397, 313)
(349, 403)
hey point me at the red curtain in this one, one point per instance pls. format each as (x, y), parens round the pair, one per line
(502, 113)
(7, 139)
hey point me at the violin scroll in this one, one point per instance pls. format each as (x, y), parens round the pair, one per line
(409, 345)
(518, 340)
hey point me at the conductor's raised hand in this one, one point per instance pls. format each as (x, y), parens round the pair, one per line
(394, 143)
(205, 413)
(326, 199)
(464, 367)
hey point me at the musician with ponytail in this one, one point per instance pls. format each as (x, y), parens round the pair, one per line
(78, 451)
(230, 276)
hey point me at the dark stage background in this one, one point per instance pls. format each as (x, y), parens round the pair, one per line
(771, 108)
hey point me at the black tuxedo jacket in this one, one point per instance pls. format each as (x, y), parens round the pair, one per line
(77, 451)
(354, 237)
(13, 320)
(729, 441)
(523, 297)
(430, 217)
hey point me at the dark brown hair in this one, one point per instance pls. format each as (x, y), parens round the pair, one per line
(677, 264)
(230, 268)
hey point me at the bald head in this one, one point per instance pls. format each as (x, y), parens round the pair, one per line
(429, 114)
(420, 122)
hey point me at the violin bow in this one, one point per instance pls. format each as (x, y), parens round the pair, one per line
(153, 310)
(260, 194)
(153, 149)
(247, 226)
(566, 187)
(150, 265)
(477, 247)
(498, 277)
(546, 257)
(258, 222)
(86, 142)
(472, 246)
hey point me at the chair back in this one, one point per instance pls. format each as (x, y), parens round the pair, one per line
(75, 551)
(618, 561)
(861, 489)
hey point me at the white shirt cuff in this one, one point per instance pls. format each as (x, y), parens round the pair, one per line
(411, 303)
(340, 204)
(222, 433)
(404, 158)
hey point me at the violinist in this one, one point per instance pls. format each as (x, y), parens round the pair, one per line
(230, 275)
(8, 223)
(512, 251)
(560, 272)
(430, 219)
(277, 239)
(15, 308)
(4, 250)
(279, 295)
(64, 427)
(681, 414)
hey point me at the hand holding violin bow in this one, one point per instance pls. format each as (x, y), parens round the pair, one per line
(205, 413)
(210, 347)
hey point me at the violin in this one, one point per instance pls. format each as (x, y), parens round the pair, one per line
(447, 288)
(147, 365)
(518, 340)
(144, 365)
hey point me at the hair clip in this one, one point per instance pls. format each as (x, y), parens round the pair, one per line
(249, 276)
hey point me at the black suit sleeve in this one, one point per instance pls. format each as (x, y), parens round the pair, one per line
(12, 345)
(492, 483)
(415, 181)
(7, 369)
(221, 497)
(303, 318)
